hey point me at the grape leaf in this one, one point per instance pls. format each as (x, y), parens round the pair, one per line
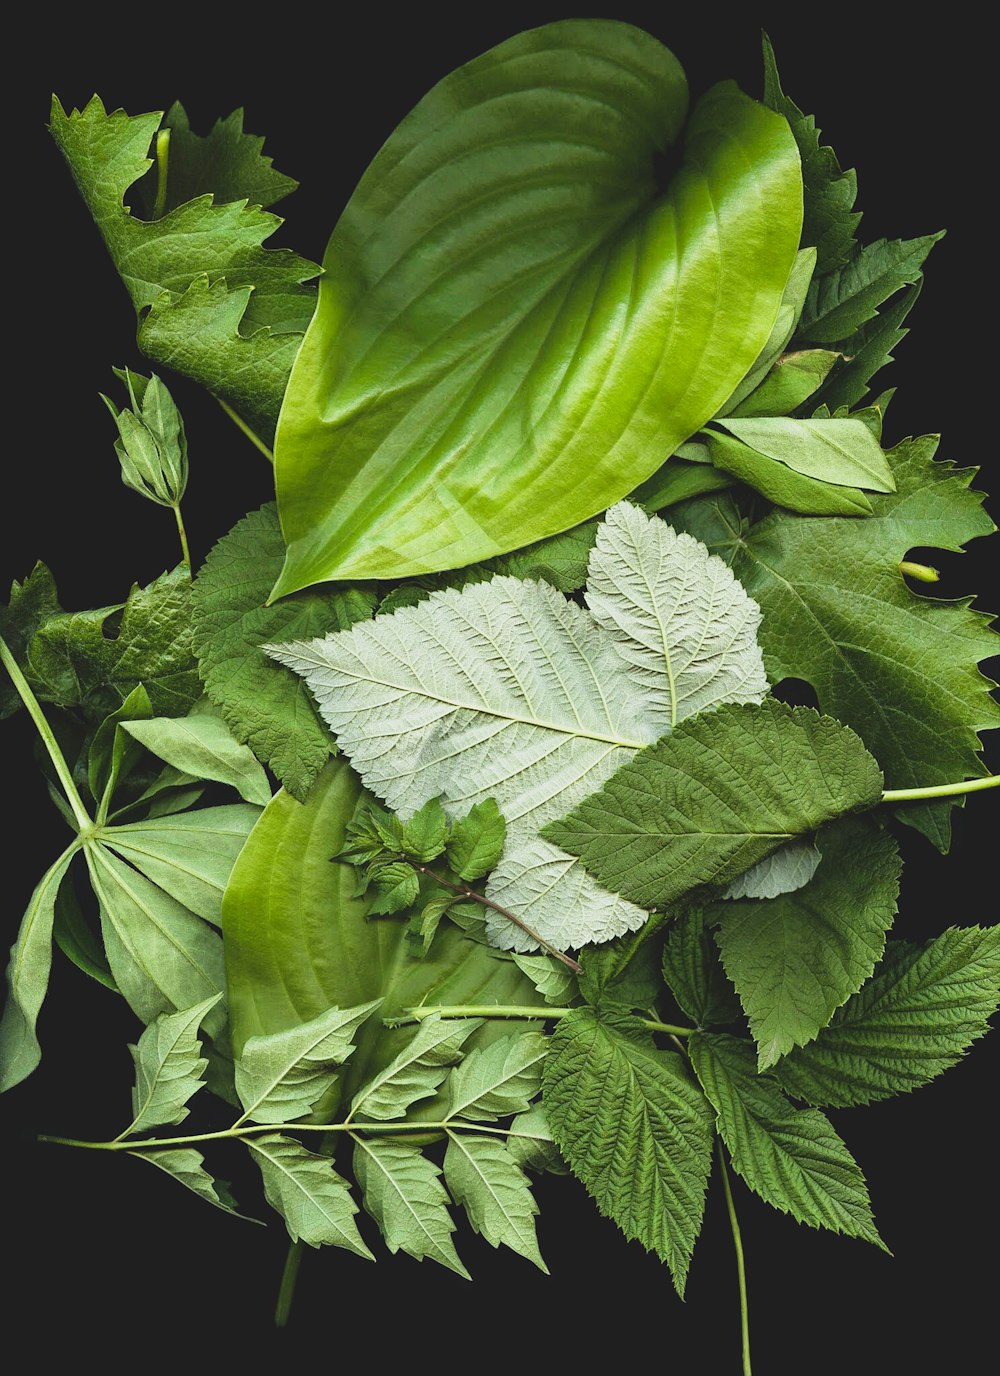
(633, 1128)
(404, 1194)
(714, 797)
(791, 1157)
(796, 958)
(417, 1070)
(484, 1177)
(168, 1067)
(30, 604)
(225, 163)
(313, 1199)
(497, 1080)
(923, 1009)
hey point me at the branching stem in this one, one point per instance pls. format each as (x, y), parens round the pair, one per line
(141, 1144)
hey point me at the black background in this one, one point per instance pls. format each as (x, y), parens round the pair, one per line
(100, 1248)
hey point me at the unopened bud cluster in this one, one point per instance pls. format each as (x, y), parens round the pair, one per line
(151, 445)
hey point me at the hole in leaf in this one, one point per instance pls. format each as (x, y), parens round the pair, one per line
(796, 692)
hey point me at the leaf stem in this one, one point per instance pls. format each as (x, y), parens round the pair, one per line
(923, 573)
(241, 424)
(513, 1010)
(83, 818)
(734, 1224)
(286, 1291)
(162, 167)
(906, 795)
(185, 552)
(138, 1145)
(472, 896)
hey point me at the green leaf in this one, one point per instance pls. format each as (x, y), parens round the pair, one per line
(791, 1157)
(424, 834)
(841, 451)
(498, 1079)
(112, 754)
(792, 300)
(923, 1009)
(396, 888)
(203, 261)
(169, 1067)
(282, 1076)
(486, 1179)
(77, 941)
(783, 871)
(841, 302)
(715, 796)
(830, 220)
(531, 1143)
(31, 603)
(870, 349)
(188, 854)
(410, 380)
(28, 978)
(782, 485)
(623, 973)
(226, 163)
(796, 958)
(634, 1128)
(263, 703)
(404, 1194)
(476, 841)
(313, 1199)
(555, 981)
(694, 973)
(791, 381)
(417, 1071)
(839, 614)
(187, 1165)
(203, 746)
(678, 481)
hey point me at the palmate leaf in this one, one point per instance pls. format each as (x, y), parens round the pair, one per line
(168, 1067)
(493, 240)
(923, 1009)
(404, 1194)
(542, 705)
(898, 667)
(796, 958)
(218, 305)
(313, 1199)
(634, 1128)
(717, 795)
(791, 1157)
(483, 1176)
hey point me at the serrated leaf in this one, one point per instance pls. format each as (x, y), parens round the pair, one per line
(497, 1080)
(204, 747)
(476, 841)
(634, 1128)
(921, 1011)
(396, 889)
(28, 978)
(404, 1194)
(416, 1072)
(839, 303)
(313, 1199)
(555, 981)
(693, 972)
(722, 791)
(796, 958)
(870, 349)
(783, 871)
(30, 604)
(202, 253)
(112, 753)
(623, 973)
(282, 1076)
(424, 833)
(495, 1192)
(187, 1165)
(842, 450)
(531, 1143)
(225, 163)
(411, 379)
(262, 703)
(169, 1067)
(791, 1157)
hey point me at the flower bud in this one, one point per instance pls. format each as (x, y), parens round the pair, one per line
(151, 445)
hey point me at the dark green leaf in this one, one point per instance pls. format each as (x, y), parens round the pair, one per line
(424, 834)
(225, 163)
(30, 606)
(782, 485)
(694, 973)
(792, 380)
(841, 302)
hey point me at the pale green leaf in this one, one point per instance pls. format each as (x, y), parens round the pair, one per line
(416, 1072)
(791, 1157)
(169, 1067)
(783, 871)
(404, 1194)
(204, 747)
(792, 380)
(722, 791)
(634, 1128)
(694, 974)
(187, 1165)
(555, 981)
(497, 1080)
(313, 1199)
(923, 1009)
(485, 1178)
(531, 1143)
(836, 450)
(782, 485)
(281, 1076)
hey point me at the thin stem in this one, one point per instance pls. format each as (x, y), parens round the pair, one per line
(136, 1146)
(162, 167)
(906, 795)
(289, 1276)
(513, 1010)
(734, 1224)
(185, 552)
(241, 424)
(473, 897)
(83, 818)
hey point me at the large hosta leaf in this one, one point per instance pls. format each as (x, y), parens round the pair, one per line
(516, 325)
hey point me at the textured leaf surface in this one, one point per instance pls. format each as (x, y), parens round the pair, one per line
(841, 451)
(841, 302)
(791, 1157)
(783, 871)
(476, 841)
(30, 604)
(796, 958)
(485, 1178)
(716, 796)
(499, 1079)
(693, 971)
(169, 1067)
(226, 163)
(188, 1166)
(282, 1075)
(634, 1129)
(923, 1009)
(263, 703)
(781, 484)
(404, 1194)
(898, 667)
(203, 747)
(417, 1070)
(313, 1199)
(410, 439)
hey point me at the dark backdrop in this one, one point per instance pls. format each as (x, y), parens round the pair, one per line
(103, 1249)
